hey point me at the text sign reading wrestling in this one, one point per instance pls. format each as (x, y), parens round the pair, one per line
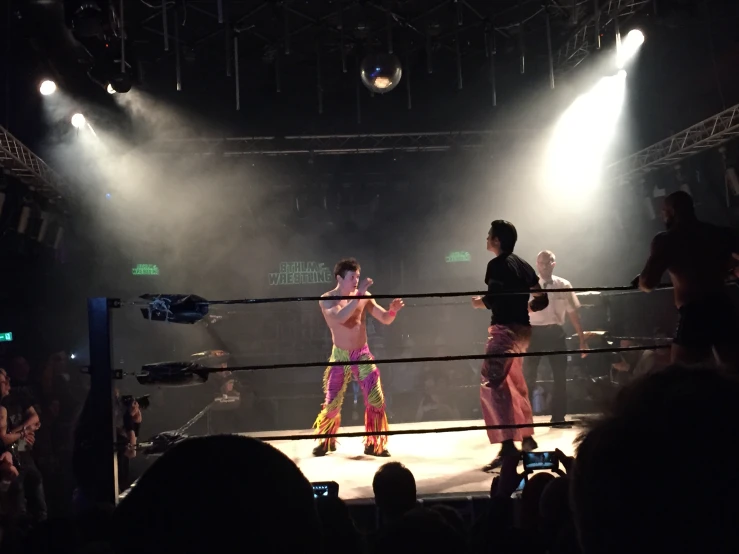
(458, 256)
(301, 273)
(145, 269)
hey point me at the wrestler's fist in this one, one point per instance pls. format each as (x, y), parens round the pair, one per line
(364, 286)
(397, 305)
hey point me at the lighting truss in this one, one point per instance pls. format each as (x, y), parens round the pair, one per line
(20, 162)
(336, 144)
(705, 135)
(583, 41)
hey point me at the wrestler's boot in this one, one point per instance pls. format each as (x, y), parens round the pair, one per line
(507, 448)
(324, 448)
(529, 444)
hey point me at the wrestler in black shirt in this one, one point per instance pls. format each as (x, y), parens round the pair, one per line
(509, 272)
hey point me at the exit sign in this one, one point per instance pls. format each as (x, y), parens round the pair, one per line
(458, 256)
(145, 269)
(6, 337)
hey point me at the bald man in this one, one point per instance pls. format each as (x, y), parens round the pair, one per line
(547, 334)
(699, 258)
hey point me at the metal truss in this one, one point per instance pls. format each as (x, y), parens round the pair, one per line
(705, 135)
(583, 41)
(321, 145)
(20, 162)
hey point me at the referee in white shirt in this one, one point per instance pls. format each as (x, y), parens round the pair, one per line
(548, 333)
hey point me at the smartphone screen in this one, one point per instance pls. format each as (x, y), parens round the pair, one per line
(540, 460)
(326, 489)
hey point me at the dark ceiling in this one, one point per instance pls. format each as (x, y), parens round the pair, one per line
(293, 53)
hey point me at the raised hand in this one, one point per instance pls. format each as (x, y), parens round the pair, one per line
(364, 286)
(397, 305)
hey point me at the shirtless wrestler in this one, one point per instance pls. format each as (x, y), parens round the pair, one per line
(698, 256)
(347, 320)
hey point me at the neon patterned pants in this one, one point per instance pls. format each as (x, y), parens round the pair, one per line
(335, 380)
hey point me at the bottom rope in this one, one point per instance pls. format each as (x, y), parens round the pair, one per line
(388, 433)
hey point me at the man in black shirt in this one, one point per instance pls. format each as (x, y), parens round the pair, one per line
(504, 396)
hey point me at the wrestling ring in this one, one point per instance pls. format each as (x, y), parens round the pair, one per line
(447, 462)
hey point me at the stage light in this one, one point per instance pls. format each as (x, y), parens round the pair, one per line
(110, 89)
(120, 82)
(381, 73)
(72, 356)
(78, 120)
(47, 88)
(629, 47)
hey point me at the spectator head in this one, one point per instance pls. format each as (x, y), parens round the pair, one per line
(531, 496)
(655, 472)
(452, 517)
(216, 494)
(19, 369)
(337, 525)
(421, 530)
(395, 490)
(554, 504)
(678, 208)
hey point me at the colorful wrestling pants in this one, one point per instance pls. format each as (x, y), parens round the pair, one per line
(335, 380)
(504, 397)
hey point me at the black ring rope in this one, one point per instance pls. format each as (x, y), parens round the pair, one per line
(202, 369)
(389, 433)
(623, 289)
(628, 288)
(413, 431)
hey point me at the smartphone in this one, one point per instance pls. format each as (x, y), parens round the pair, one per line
(325, 489)
(533, 461)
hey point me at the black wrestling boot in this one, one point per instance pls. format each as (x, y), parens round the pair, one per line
(369, 450)
(324, 448)
(529, 444)
(506, 449)
(562, 424)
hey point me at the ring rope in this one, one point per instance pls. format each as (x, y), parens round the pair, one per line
(354, 434)
(202, 369)
(616, 290)
(414, 431)
(628, 288)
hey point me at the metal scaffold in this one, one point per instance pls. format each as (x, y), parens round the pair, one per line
(707, 134)
(586, 38)
(19, 161)
(337, 144)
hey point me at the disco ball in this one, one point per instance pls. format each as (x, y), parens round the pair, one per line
(381, 73)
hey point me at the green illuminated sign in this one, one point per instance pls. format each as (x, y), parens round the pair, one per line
(6, 337)
(458, 256)
(145, 269)
(301, 273)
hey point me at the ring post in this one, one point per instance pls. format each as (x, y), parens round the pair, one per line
(101, 399)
